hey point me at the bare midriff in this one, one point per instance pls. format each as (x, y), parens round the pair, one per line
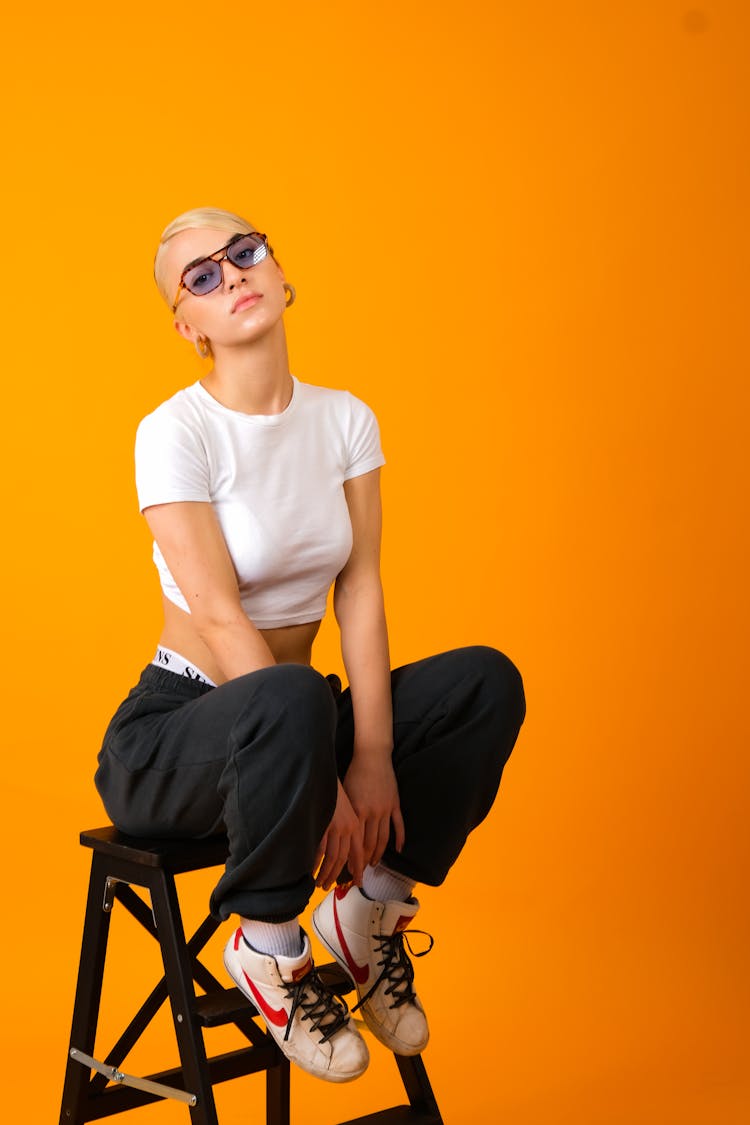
(291, 644)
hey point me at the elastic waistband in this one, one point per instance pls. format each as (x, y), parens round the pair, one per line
(159, 679)
(175, 662)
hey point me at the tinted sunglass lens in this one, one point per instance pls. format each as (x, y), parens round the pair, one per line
(203, 278)
(247, 251)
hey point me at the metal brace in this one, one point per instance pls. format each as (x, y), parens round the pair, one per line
(109, 893)
(145, 1084)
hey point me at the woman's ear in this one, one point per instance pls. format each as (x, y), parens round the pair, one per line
(185, 330)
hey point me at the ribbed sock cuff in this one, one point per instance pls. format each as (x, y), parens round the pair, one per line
(282, 939)
(383, 885)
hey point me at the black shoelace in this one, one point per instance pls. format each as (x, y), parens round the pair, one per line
(327, 1011)
(397, 970)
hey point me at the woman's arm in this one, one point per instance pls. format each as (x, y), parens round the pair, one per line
(193, 546)
(370, 782)
(195, 551)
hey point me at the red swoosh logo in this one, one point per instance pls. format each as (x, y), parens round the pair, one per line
(359, 972)
(276, 1016)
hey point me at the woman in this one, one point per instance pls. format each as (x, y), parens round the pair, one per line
(261, 491)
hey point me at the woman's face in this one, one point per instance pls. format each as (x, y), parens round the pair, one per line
(246, 304)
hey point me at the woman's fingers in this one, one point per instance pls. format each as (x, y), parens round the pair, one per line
(381, 842)
(330, 866)
(356, 838)
(370, 839)
(377, 832)
(343, 848)
(335, 844)
(330, 849)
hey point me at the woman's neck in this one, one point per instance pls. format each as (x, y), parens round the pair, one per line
(254, 378)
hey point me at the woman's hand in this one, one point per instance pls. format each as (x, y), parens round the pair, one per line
(341, 844)
(370, 784)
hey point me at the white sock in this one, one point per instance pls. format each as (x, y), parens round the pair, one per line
(383, 885)
(280, 939)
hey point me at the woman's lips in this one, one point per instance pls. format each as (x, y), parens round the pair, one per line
(245, 301)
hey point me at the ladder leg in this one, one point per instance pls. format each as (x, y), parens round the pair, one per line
(178, 972)
(277, 1094)
(88, 995)
(417, 1084)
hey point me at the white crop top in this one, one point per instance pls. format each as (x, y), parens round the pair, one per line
(276, 484)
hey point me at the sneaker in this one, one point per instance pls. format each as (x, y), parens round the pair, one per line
(367, 940)
(309, 1023)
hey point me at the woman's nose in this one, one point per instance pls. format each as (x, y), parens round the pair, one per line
(232, 274)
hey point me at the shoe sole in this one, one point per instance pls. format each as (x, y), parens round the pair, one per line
(326, 1075)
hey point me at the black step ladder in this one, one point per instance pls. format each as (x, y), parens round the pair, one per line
(118, 863)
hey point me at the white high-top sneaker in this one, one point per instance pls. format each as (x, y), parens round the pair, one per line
(367, 940)
(310, 1024)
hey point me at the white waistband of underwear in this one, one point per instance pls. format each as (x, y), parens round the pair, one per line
(172, 662)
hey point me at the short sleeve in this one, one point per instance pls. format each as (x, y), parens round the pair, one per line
(170, 461)
(363, 441)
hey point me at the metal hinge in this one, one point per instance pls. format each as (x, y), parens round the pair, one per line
(109, 893)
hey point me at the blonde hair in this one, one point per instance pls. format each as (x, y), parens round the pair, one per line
(198, 218)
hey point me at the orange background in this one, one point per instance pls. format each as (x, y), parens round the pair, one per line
(519, 231)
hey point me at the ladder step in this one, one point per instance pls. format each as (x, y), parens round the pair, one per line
(218, 1008)
(335, 978)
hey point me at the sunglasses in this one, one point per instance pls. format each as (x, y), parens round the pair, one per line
(205, 274)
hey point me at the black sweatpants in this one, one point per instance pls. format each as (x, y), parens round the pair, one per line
(258, 758)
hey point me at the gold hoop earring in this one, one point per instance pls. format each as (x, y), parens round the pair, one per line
(203, 347)
(291, 294)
